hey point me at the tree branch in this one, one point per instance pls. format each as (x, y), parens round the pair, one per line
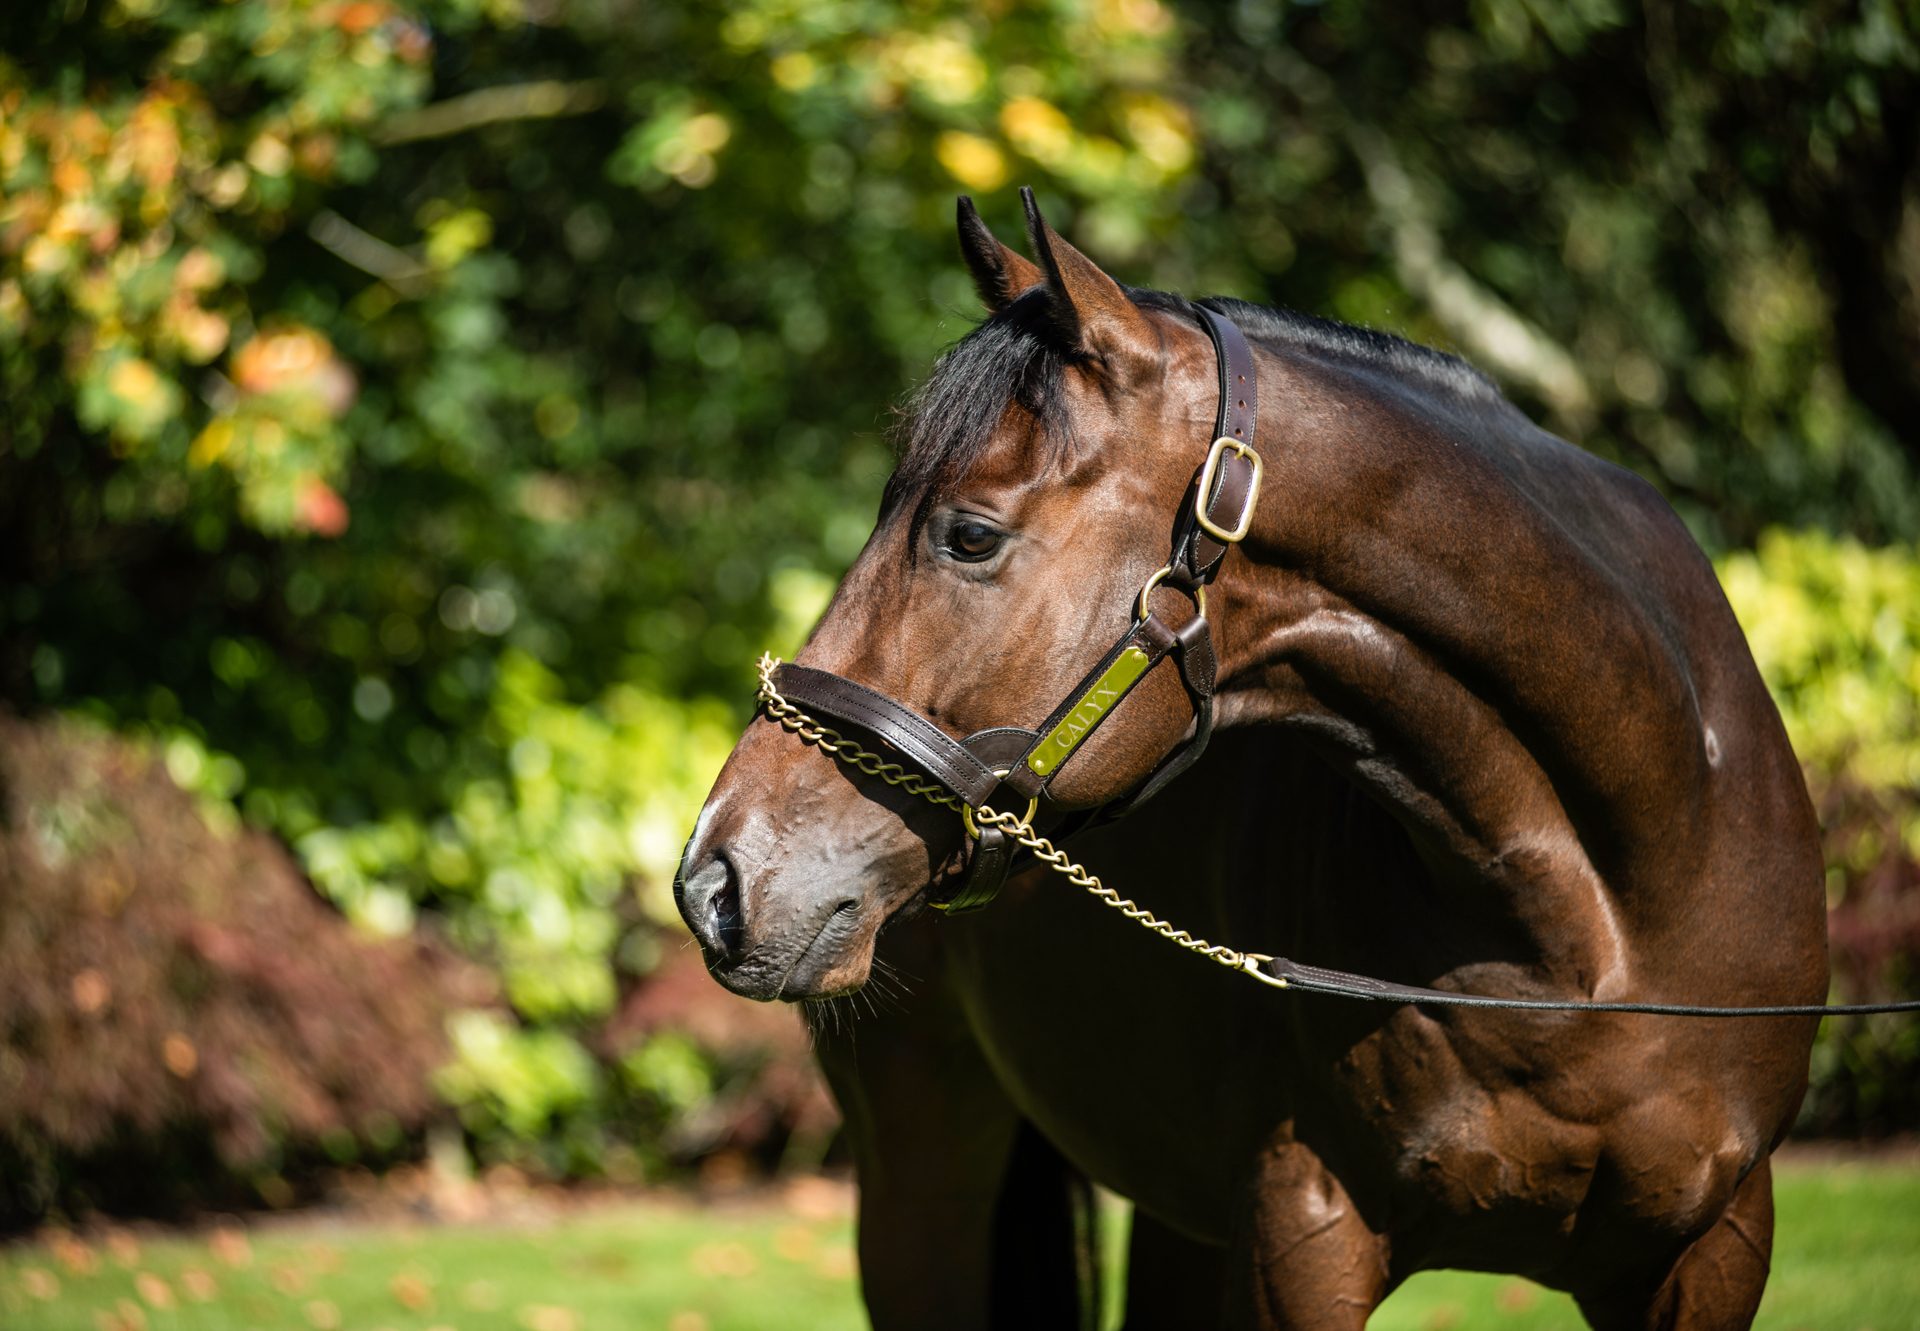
(1475, 316)
(370, 254)
(1490, 329)
(491, 106)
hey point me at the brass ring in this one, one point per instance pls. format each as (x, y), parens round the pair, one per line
(1166, 570)
(966, 810)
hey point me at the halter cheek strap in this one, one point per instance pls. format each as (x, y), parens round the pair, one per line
(1215, 516)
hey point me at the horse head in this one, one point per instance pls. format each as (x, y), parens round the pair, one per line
(1041, 469)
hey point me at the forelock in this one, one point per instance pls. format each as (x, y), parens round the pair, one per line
(1011, 359)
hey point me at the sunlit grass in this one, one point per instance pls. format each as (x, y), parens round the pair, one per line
(1847, 1258)
(640, 1264)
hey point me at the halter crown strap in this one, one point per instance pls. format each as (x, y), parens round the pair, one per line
(1197, 550)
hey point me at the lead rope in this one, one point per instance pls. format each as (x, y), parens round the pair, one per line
(833, 742)
(1310, 979)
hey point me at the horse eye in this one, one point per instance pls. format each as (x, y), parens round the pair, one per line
(971, 542)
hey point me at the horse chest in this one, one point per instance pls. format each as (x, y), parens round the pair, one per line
(1164, 1080)
(1144, 1068)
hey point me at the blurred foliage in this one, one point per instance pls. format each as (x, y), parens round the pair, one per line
(1687, 235)
(1835, 628)
(419, 411)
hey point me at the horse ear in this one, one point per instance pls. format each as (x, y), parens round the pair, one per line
(1094, 314)
(1000, 274)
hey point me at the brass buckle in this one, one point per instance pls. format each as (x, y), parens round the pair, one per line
(1211, 473)
(966, 810)
(1199, 595)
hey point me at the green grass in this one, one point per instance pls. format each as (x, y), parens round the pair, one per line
(643, 1265)
(1847, 1258)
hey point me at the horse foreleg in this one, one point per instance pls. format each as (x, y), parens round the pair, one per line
(1717, 1283)
(1305, 1259)
(968, 1218)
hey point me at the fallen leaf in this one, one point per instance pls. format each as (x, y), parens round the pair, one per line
(132, 1316)
(157, 1292)
(836, 1263)
(323, 1315)
(198, 1285)
(549, 1317)
(1516, 1296)
(40, 1282)
(1444, 1318)
(231, 1247)
(481, 1295)
(813, 1198)
(325, 1258)
(122, 1246)
(287, 1279)
(77, 1257)
(796, 1243)
(687, 1320)
(411, 1290)
(731, 1260)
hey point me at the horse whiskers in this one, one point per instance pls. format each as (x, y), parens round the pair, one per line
(885, 990)
(813, 1015)
(886, 970)
(832, 1016)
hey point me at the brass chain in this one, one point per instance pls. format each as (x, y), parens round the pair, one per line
(833, 742)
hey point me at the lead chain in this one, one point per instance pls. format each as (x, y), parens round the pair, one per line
(832, 741)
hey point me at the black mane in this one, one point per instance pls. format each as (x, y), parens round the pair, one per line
(1280, 329)
(1013, 357)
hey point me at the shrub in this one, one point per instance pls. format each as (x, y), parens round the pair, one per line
(180, 1015)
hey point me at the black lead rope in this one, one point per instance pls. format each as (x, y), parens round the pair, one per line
(1342, 984)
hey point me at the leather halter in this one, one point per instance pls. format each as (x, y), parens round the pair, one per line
(1215, 515)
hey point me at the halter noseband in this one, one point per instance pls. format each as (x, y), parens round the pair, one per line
(1215, 515)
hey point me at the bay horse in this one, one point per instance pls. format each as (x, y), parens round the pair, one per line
(1485, 724)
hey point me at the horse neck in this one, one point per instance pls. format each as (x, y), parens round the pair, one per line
(1477, 620)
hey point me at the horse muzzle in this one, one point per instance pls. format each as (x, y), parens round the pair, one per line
(769, 941)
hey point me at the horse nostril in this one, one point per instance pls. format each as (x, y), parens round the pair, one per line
(710, 904)
(729, 923)
(846, 906)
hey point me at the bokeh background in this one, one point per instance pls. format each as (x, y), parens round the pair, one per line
(416, 414)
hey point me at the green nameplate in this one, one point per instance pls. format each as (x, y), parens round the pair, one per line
(1088, 711)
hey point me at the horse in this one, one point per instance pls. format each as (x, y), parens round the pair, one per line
(1485, 723)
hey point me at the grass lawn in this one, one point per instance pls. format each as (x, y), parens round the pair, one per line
(1847, 1259)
